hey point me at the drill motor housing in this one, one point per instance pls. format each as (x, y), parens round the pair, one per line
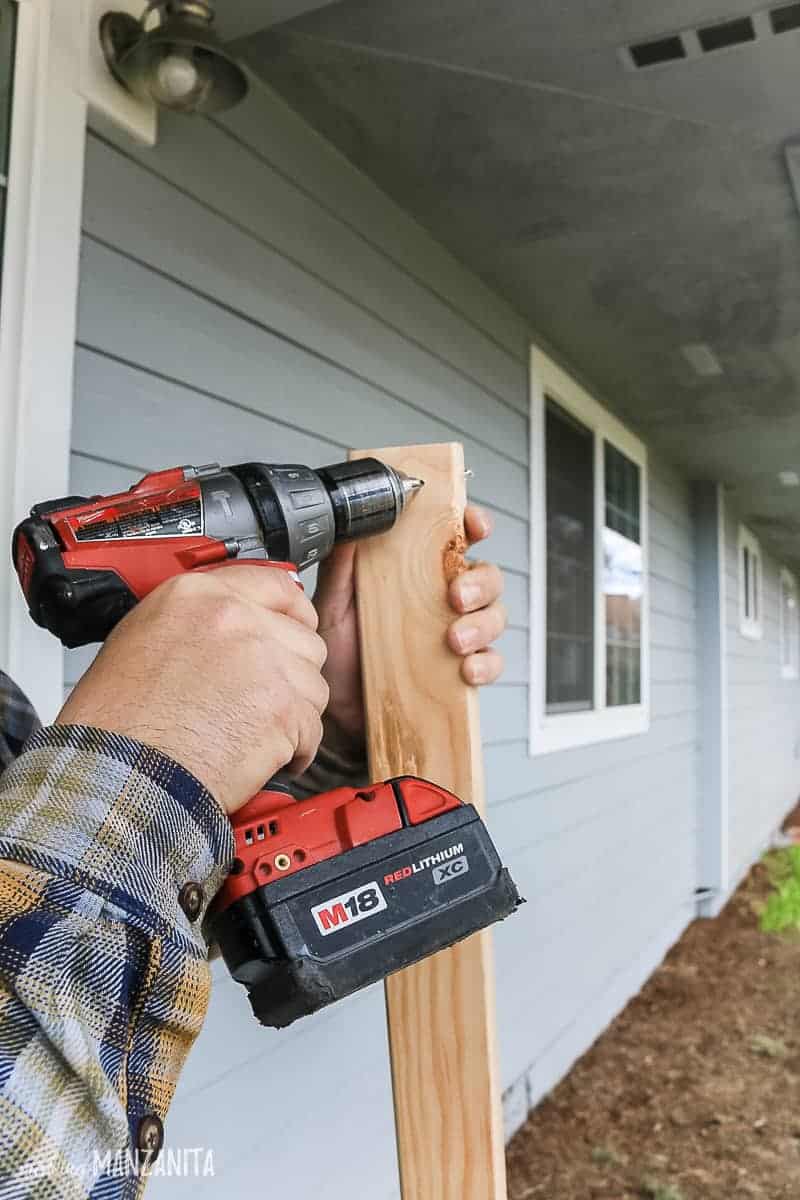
(84, 562)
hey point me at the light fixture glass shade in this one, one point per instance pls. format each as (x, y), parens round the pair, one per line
(180, 64)
(176, 79)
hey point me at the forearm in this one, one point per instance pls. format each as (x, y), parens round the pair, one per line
(104, 979)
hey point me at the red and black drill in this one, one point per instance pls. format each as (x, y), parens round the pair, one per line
(328, 894)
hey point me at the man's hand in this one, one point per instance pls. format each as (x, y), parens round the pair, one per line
(475, 595)
(220, 672)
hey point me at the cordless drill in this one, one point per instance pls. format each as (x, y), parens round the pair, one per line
(325, 895)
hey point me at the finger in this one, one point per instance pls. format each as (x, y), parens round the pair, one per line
(477, 523)
(476, 588)
(334, 593)
(310, 736)
(311, 685)
(268, 587)
(484, 667)
(298, 640)
(477, 630)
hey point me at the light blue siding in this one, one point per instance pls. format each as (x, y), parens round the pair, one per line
(763, 717)
(246, 293)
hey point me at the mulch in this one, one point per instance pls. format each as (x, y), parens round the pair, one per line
(693, 1093)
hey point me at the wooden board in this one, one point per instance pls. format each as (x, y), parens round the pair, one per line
(423, 720)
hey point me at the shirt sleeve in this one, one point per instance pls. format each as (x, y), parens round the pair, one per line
(18, 720)
(109, 856)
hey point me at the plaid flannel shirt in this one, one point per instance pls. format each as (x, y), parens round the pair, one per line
(104, 980)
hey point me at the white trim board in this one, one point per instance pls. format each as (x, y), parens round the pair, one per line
(38, 312)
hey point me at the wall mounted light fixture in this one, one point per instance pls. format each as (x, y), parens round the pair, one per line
(179, 62)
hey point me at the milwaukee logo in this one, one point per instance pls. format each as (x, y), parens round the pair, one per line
(424, 864)
(349, 908)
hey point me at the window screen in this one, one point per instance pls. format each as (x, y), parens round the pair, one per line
(750, 565)
(622, 578)
(8, 18)
(755, 564)
(748, 594)
(750, 585)
(569, 461)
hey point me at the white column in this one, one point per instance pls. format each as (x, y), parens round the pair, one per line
(38, 312)
(713, 857)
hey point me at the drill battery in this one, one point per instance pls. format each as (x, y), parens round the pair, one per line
(386, 875)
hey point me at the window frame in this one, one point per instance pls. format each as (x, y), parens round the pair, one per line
(750, 626)
(789, 670)
(5, 133)
(550, 732)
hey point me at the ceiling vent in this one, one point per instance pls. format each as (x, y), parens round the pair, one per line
(648, 54)
(785, 18)
(727, 33)
(709, 39)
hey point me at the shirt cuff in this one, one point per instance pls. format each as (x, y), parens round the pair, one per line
(119, 819)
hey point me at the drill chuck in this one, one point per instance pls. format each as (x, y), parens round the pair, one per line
(367, 496)
(302, 512)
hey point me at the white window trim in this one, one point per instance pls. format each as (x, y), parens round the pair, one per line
(38, 310)
(750, 627)
(551, 732)
(790, 670)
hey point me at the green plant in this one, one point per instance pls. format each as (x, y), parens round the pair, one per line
(604, 1156)
(768, 1047)
(781, 911)
(660, 1191)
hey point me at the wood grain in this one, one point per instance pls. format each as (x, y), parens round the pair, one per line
(422, 719)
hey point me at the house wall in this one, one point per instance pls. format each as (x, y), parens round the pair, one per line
(246, 293)
(763, 717)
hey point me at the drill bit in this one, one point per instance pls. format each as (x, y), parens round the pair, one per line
(410, 485)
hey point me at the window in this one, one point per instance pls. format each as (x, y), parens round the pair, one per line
(589, 595)
(569, 472)
(750, 587)
(8, 21)
(790, 626)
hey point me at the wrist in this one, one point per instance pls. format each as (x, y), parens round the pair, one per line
(230, 779)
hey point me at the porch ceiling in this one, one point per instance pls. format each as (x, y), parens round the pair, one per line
(239, 18)
(624, 213)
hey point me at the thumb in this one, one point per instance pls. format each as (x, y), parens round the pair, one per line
(335, 591)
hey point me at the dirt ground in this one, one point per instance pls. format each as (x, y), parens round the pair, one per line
(694, 1092)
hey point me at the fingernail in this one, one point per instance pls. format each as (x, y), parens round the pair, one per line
(477, 674)
(466, 638)
(469, 594)
(486, 521)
